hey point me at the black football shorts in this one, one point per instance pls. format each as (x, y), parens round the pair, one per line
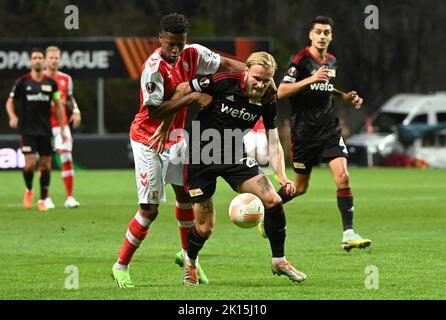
(44, 145)
(201, 179)
(307, 152)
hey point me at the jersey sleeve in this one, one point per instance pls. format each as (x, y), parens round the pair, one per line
(16, 90)
(152, 87)
(269, 116)
(291, 73)
(209, 84)
(208, 61)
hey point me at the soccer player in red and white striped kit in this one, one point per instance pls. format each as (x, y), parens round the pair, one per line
(64, 148)
(157, 164)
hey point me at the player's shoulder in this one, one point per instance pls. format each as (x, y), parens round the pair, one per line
(153, 62)
(63, 75)
(195, 47)
(49, 80)
(331, 57)
(23, 77)
(231, 76)
(301, 55)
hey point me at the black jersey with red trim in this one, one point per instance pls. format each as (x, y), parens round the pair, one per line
(35, 97)
(231, 115)
(312, 107)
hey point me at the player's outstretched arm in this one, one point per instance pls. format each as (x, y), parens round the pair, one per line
(10, 110)
(286, 90)
(350, 97)
(277, 160)
(227, 64)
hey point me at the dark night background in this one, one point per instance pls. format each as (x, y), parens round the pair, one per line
(404, 55)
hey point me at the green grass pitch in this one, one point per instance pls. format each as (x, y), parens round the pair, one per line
(402, 210)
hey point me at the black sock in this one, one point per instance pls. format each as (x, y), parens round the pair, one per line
(345, 205)
(194, 243)
(44, 184)
(28, 175)
(285, 196)
(275, 228)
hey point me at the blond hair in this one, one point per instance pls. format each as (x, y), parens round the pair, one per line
(52, 48)
(262, 58)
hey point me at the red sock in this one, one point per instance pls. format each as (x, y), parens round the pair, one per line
(186, 219)
(67, 172)
(136, 232)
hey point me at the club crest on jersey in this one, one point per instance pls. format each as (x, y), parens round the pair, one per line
(332, 73)
(292, 71)
(150, 87)
(204, 82)
(46, 87)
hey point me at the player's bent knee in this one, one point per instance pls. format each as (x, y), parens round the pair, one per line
(272, 202)
(342, 180)
(149, 211)
(205, 230)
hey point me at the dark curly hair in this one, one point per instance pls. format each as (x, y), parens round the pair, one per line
(174, 23)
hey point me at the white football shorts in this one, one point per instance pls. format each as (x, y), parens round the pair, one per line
(58, 143)
(256, 146)
(153, 171)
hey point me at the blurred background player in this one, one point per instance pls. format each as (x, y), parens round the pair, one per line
(243, 94)
(64, 149)
(38, 95)
(157, 164)
(316, 132)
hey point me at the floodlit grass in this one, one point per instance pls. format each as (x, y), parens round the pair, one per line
(401, 210)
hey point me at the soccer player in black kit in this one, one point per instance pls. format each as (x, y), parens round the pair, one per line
(316, 133)
(36, 92)
(236, 106)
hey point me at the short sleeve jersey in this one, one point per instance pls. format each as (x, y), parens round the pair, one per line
(312, 106)
(231, 113)
(35, 97)
(65, 85)
(158, 82)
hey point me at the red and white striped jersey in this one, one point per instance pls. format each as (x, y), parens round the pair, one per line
(65, 85)
(158, 81)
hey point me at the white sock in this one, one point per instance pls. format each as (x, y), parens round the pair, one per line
(119, 266)
(190, 261)
(349, 232)
(278, 260)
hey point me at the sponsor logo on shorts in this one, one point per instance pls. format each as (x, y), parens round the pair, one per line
(298, 165)
(196, 192)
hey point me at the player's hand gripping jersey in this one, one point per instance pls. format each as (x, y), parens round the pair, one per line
(158, 81)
